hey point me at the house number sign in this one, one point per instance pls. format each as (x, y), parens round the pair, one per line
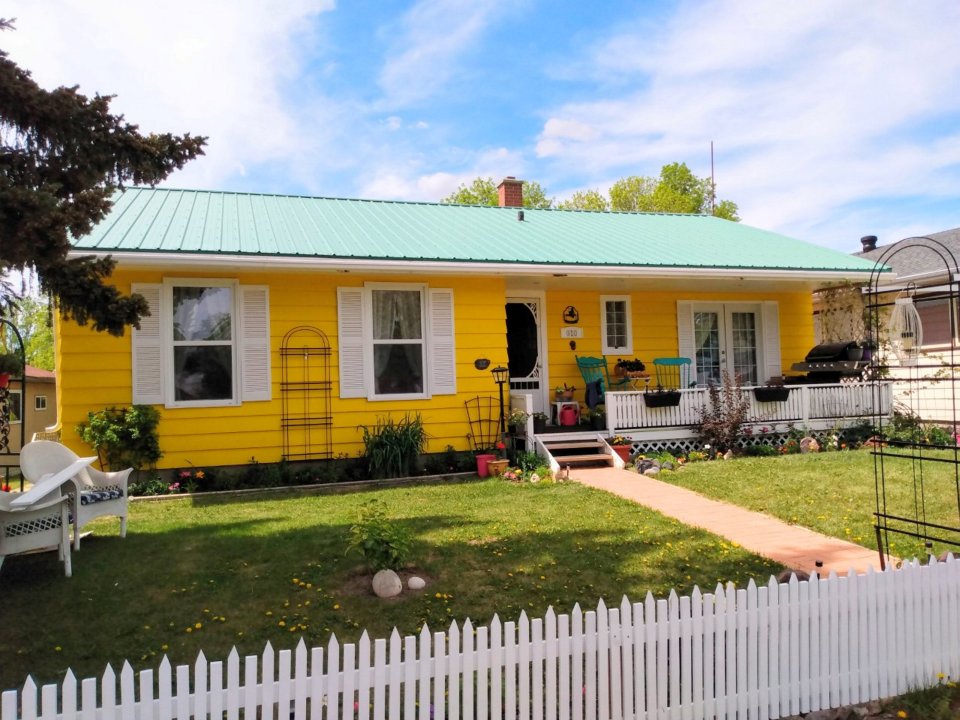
(571, 332)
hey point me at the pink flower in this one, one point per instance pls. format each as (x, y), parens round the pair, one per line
(184, 474)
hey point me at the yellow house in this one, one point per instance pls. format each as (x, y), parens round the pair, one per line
(281, 324)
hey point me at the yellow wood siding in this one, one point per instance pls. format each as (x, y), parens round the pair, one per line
(94, 369)
(98, 368)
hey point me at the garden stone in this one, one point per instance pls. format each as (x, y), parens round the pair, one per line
(652, 471)
(416, 583)
(644, 465)
(809, 445)
(386, 584)
(667, 466)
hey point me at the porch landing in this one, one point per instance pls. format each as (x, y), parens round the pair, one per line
(795, 547)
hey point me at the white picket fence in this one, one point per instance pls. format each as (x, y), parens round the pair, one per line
(756, 652)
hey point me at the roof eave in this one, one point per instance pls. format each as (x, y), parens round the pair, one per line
(452, 267)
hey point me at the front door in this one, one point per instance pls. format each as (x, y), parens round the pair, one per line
(525, 350)
(727, 337)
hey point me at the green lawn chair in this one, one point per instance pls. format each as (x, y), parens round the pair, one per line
(673, 373)
(593, 369)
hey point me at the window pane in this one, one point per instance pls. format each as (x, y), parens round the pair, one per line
(616, 320)
(396, 315)
(706, 328)
(202, 313)
(13, 408)
(203, 372)
(935, 318)
(745, 346)
(398, 368)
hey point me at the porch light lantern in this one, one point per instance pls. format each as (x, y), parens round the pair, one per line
(501, 376)
(905, 330)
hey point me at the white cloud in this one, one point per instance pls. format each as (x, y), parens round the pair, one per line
(219, 68)
(813, 106)
(428, 51)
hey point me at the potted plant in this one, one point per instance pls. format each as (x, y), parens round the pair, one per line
(661, 397)
(10, 365)
(598, 417)
(496, 466)
(564, 392)
(517, 419)
(539, 423)
(622, 446)
(630, 368)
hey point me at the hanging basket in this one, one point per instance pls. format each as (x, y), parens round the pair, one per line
(771, 394)
(666, 398)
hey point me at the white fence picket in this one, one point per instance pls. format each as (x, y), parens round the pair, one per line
(764, 652)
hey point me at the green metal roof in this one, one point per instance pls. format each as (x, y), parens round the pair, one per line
(158, 221)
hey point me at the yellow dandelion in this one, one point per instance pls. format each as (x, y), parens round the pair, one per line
(269, 613)
(164, 647)
(198, 625)
(281, 624)
(901, 713)
(438, 596)
(336, 606)
(189, 630)
(58, 648)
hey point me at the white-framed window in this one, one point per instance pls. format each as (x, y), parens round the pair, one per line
(14, 406)
(396, 341)
(205, 343)
(40, 402)
(616, 330)
(939, 319)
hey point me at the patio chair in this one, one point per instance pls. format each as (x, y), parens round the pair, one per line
(593, 370)
(92, 493)
(673, 373)
(40, 526)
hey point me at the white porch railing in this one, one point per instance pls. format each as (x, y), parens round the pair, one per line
(811, 406)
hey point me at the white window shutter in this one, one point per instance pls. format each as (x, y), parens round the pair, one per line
(771, 339)
(254, 346)
(147, 349)
(443, 356)
(350, 337)
(686, 340)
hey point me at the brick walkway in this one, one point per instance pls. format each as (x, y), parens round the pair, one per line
(795, 547)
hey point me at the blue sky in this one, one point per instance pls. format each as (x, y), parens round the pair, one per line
(830, 120)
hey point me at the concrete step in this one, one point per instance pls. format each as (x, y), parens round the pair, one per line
(583, 460)
(574, 445)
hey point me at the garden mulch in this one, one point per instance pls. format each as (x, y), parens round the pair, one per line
(795, 547)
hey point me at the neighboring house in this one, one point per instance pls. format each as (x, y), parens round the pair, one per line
(36, 411)
(927, 271)
(279, 325)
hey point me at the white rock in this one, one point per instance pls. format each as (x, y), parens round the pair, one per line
(416, 583)
(386, 584)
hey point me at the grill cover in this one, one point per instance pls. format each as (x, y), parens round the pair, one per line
(830, 352)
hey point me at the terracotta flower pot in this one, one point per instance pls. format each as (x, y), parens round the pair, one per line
(496, 467)
(623, 451)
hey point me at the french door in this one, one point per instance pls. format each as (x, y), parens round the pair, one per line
(727, 336)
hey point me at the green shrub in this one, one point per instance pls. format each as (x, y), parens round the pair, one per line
(382, 543)
(124, 437)
(761, 450)
(528, 461)
(392, 448)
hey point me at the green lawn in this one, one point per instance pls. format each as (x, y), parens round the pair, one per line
(208, 573)
(831, 492)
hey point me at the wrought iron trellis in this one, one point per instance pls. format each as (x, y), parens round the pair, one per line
(913, 457)
(305, 390)
(6, 453)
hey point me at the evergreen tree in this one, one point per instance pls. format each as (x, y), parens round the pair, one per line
(62, 157)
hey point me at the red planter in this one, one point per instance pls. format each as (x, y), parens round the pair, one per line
(482, 460)
(623, 451)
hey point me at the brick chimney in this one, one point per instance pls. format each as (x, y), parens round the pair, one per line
(510, 192)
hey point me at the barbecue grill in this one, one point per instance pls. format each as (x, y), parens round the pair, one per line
(830, 363)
